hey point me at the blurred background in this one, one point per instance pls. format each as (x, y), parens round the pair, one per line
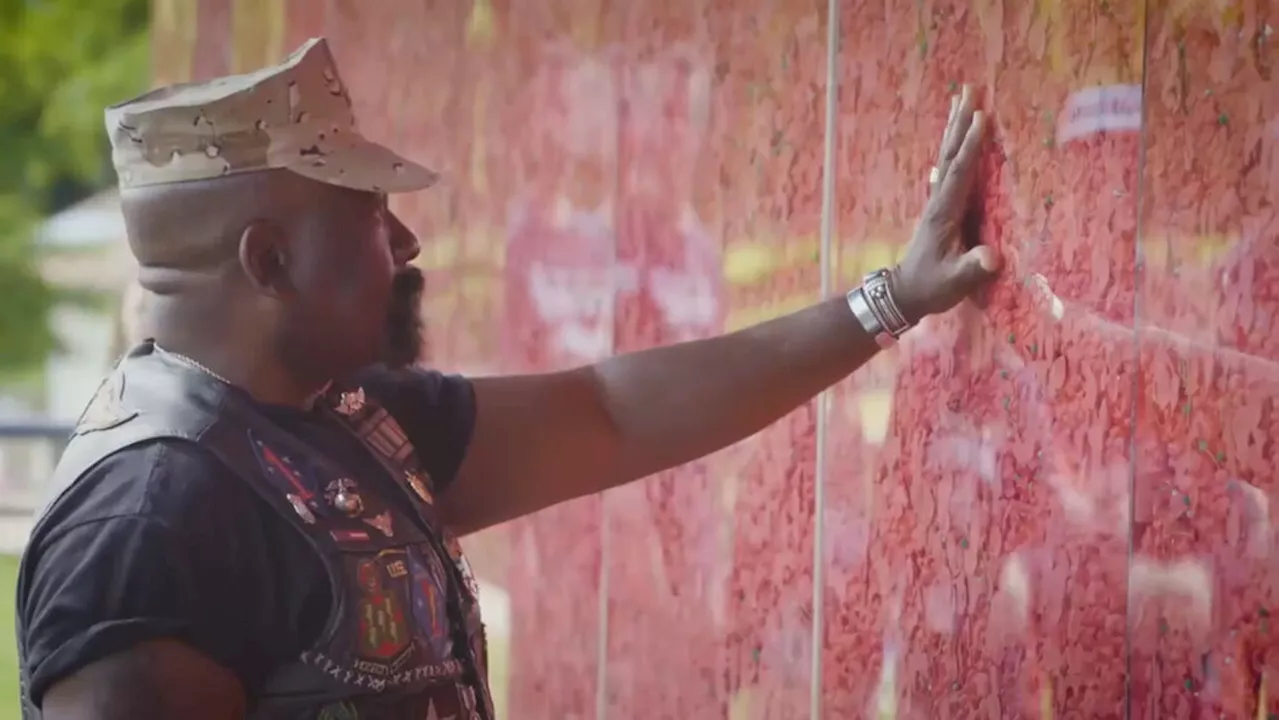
(63, 258)
(1058, 503)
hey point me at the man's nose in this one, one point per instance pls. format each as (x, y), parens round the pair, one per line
(404, 244)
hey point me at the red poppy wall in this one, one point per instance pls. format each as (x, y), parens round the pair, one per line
(1058, 500)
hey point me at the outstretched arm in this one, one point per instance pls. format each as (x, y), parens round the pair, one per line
(543, 439)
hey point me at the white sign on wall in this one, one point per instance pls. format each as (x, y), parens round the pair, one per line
(1101, 109)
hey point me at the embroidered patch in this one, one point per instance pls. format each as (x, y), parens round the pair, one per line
(384, 434)
(381, 433)
(384, 633)
(397, 569)
(427, 592)
(378, 677)
(105, 409)
(280, 468)
(285, 475)
(349, 536)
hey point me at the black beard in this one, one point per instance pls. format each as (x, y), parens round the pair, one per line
(403, 343)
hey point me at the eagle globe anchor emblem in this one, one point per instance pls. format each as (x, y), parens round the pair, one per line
(344, 496)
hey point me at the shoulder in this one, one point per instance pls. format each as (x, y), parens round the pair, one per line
(160, 496)
(169, 482)
(158, 540)
(146, 505)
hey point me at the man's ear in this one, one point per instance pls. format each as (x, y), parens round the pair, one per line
(264, 257)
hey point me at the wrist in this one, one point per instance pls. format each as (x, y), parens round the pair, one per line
(875, 304)
(904, 296)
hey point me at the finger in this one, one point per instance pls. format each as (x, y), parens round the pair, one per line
(961, 171)
(959, 127)
(948, 130)
(975, 268)
(944, 149)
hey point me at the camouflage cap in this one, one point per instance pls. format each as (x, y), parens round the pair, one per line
(295, 116)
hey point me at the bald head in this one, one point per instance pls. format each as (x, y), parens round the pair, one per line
(274, 260)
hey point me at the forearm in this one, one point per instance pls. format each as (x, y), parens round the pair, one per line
(673, 404)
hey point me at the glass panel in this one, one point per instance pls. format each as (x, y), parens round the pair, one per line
(518, 270)
(559, 116)
(1055, 500)
(1203, 576)
(710, 566)
(977, 497)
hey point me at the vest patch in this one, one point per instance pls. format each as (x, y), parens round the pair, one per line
(105, 409)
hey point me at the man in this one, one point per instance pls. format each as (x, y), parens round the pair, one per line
(261, 504)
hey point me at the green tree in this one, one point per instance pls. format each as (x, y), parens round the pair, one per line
(61, 63)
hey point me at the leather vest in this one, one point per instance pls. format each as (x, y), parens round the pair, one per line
(404, 637)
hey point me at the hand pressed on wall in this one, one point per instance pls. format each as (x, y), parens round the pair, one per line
(938, 271)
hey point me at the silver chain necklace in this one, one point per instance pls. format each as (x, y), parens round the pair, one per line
(199, 366)
(194, 364)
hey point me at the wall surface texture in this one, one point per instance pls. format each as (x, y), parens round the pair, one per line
(1058, 502)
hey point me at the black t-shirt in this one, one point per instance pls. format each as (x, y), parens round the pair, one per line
(161, 540)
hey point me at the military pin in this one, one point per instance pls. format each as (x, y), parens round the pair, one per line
(419, 487)
(469, 577)
(454, 547)
(381, 521)
(350, 402)
(300, 507)
(344, 496)
(464, 565)
(469, 699)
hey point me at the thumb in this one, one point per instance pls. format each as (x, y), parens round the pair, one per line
(975, 268)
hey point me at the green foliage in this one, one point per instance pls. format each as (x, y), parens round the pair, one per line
(61, 63)
(9, 707)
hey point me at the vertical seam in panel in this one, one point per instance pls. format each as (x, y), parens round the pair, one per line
(1136, 385)
(824, 398)
(602, 625)
(602, 605)
(257, 33)
(277, 16)
(173, 22)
